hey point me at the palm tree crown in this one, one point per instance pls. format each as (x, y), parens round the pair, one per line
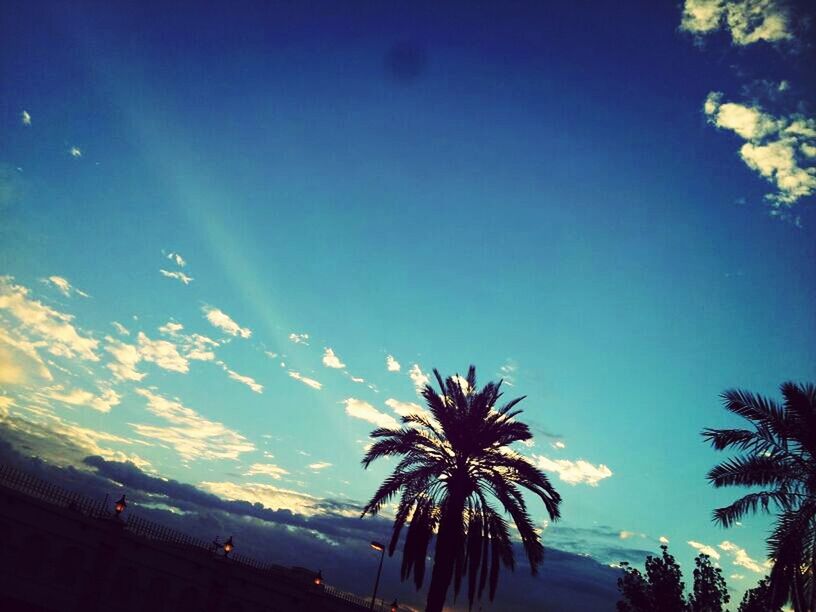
(778, 456)
(455, 472)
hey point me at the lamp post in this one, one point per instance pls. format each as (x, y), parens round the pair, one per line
(318, 579)
(381, 548)
(228, 546)
(395, 606)
(120, 506)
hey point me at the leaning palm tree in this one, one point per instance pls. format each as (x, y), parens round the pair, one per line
(778, 456)
(455, 473)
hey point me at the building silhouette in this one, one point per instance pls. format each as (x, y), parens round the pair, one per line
(61, 551)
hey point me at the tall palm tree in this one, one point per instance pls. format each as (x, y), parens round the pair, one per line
(455, 472)
(778, 456)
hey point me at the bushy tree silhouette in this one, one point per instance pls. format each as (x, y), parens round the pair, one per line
(758, 598)
(710, 591)
(777, 455)
(659, 589)
(456, 470)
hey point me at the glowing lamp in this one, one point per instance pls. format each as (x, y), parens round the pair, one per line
(318, 579)
(377, 546)
(228, 546)
(395, 606)
(120, 505)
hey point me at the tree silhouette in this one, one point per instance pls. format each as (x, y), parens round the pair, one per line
(456, 470)
(778, 455)
(710, 591)
(660, 589)
(758, 599)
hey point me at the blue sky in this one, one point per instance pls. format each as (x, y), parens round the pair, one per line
(611, 208)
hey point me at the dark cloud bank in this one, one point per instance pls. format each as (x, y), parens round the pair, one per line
(335, 541)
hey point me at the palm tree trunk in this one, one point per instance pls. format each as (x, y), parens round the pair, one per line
(448, 541)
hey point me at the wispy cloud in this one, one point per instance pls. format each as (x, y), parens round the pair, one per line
(573, 472)
(163, 353)
(246, 380)
(266, 469)
(25, 117)
(191, 435)
(178, 275)
(404, 408)
(507, 372)
(75, 152)
(781, 149)
(311, 382)
(177, 259)
(705, 549)
(64, 287)
(218, 318)
(269, 496)
(391, 364)
(418, 377)
(299, 338)
(663, 540)
(740, 557)
(320, 465)
(193, 346)
(79, 397)
(331, 360)
(121, 329)
(747, 21)
(126, 358)
(360, 409)
(53, 327)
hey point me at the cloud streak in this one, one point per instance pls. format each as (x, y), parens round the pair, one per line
(221, 320)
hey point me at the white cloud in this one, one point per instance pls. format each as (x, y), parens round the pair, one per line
(121, 329)
(573, 472)
(178, 275)
(79, 397)
(559, 444)
(266, 469)
(171, 328)
(25, 117)
(269, 496)
(75, 152)
(55, 328)
(357, 379)
(64, 287)
(775, 147)
(625, 535)
(405, 408)
(306, 381)
(331, 360)
(126, 358)
(320, 465)
(163, 353)
(222, 321)
(391, 364)
(199, 347)
(418, 377)
(507, 372)
(747, 21)
(740, 557)
(299, 338)
(19, 358)
(271, 355)
(705, 549)
(177, 258)
(663, 540)
(247, 380)
(363, 410)
(191, 435)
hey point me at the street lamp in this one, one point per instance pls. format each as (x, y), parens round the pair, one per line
(120, 506)
(318, 579)
(381, 548)
(395, 606)
(228, 546)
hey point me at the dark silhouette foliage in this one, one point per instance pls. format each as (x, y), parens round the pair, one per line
(710, 591)
(658, 589)
(777, 455)
(758, 599)
(457, 476)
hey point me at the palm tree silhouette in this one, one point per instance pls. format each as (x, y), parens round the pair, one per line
(456, 468)
(779, 456)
